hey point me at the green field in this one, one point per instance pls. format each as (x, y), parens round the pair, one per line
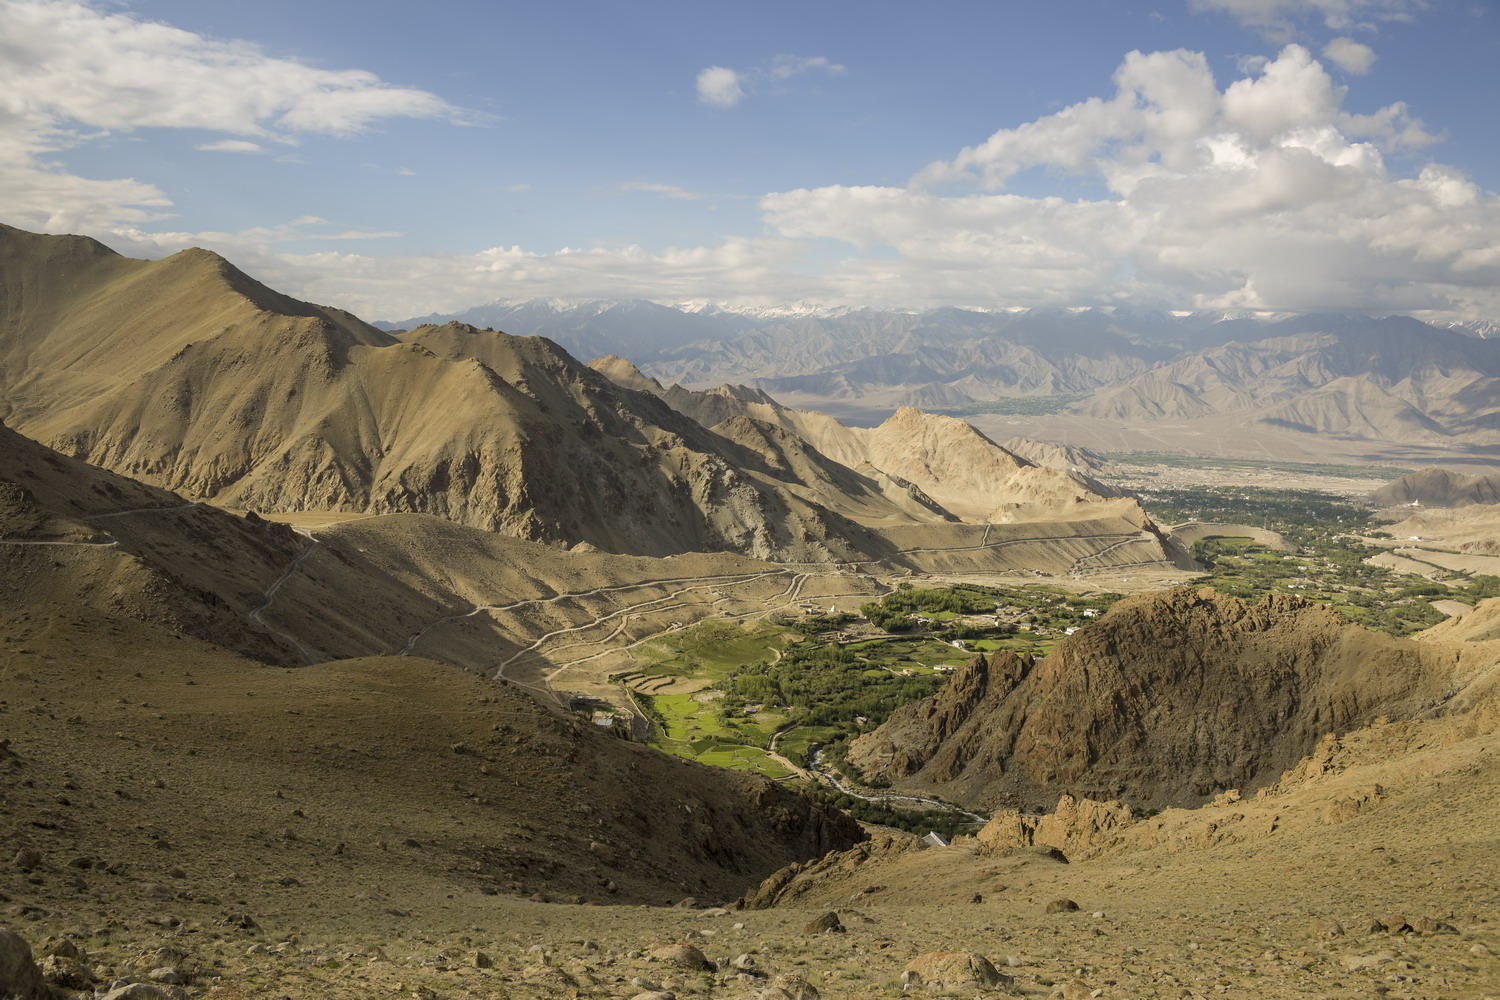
(711, 649)
(795, 675)
(1381, 472)
(1327, 561)
(693, 725)
(1027, 406)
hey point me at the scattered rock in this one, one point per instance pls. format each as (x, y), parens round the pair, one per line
(1325, 928)
(143, 991)
(683, 956)
(1061, 906)
(1432, 925)
(1395, 923)
(1076, 989)
(828, 923)
(790, 987)
(655, 995)
(63, 947)
(952, 970)
(66, 971)
(19, 975)
(1359, 963)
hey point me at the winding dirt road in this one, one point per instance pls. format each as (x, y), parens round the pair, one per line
(829, 778)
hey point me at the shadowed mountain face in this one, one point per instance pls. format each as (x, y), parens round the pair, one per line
(435, 779)
(1169, 698)
(76, 534)
(1440, 488)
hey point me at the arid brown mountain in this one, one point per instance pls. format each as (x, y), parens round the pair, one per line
(1359, 378)
(1057, 456)
(186, 373)
(1168, 699)
(941, 458)
(345, 586)
(932, 358)
(1393, 379)
(1440, 488)
(76, 534)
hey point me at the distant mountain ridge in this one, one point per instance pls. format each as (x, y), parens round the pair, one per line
(1388, 378)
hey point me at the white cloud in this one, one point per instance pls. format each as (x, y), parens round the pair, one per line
(232, 146)
(1349, 55)
(757, 271)
(1262, 193)
(1265, 194)
(665, 190)
(719, 87)
(784, 67)
(71, 72)
(1280, 18)
(1168, 113)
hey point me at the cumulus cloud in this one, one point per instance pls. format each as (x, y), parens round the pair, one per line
(1349, 55)
(70, 72)
(719, 87)
(1265, 194)
(1262, 192)
(232, 146)
(1280, 18)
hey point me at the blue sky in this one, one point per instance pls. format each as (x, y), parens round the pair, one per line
(581, 125)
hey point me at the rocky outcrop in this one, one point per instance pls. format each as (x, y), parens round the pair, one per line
(1168, 699)
(786, 885)
(1080, 828)
(952, 970)
(19, 976)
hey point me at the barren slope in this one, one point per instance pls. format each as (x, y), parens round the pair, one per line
(74, 533)
(942, 458)
(1168, 699)
(1440, 488)
(396, 778)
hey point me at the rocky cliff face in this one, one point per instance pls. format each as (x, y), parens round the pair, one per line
(1168, 699)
